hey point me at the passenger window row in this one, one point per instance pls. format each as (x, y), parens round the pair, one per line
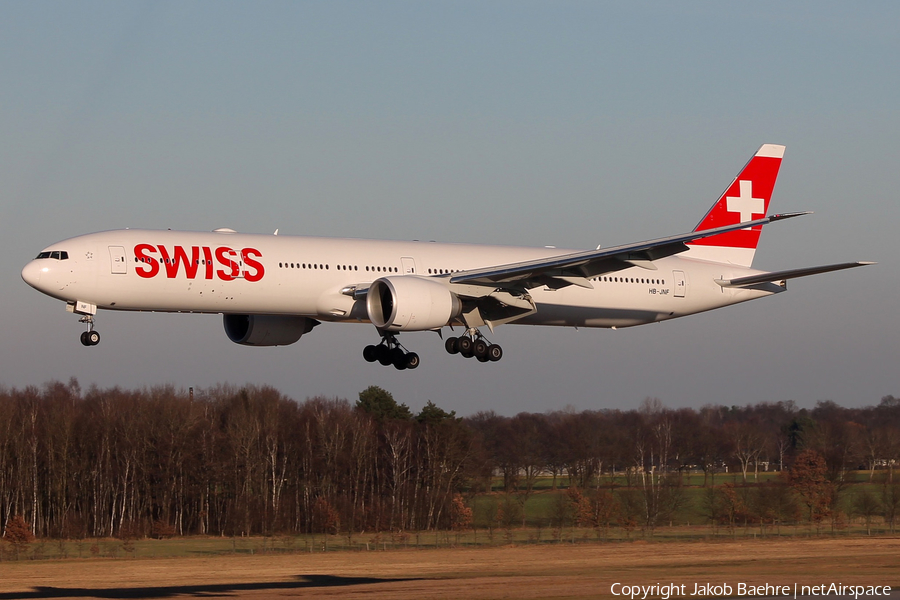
(316, 266)
(326, 267)
(630, 280)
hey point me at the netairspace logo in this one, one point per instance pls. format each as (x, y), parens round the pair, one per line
(718, 590)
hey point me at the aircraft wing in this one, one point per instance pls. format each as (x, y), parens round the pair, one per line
(790, 274)
(577, 268)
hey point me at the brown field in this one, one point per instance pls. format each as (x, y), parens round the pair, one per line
(541, 571)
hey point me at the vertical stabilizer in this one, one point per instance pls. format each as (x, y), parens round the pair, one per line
(747, 198)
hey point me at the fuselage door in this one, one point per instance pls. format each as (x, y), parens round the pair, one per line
(117, 260)
(409, 265)
(680, 285)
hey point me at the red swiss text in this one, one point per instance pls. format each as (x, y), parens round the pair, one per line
(223, 263)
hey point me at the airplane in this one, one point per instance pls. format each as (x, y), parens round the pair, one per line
(273, 289)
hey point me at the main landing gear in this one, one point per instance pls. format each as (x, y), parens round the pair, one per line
(89, 337)
(390, 352)
(472, 343)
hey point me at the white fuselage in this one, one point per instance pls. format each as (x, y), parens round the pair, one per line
(233, 273)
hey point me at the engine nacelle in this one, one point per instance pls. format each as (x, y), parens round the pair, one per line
(410, 303)
(266, 330)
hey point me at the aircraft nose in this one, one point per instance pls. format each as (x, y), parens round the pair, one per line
(32, 273)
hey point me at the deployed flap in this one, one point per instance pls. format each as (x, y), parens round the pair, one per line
(790, 274)
(590, 263)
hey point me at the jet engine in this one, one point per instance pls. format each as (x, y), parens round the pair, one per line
(266, 330)
(410, 303)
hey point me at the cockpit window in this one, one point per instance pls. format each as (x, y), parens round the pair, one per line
(57, 254)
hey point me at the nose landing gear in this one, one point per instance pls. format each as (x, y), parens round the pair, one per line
(473, 344)
(89, 337)
(390, 352)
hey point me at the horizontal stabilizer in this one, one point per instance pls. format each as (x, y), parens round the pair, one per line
(789, 274)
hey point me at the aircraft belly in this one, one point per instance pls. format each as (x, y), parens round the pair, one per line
(201, 295)
(583, 316)
(604, 306)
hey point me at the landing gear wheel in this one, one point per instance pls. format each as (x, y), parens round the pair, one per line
(93, 338)
(398, 358)
(383, 355)
(391, 352)
(84, 339)
(452, 345)
(473, 344)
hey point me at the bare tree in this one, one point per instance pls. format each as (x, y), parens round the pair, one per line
(747, 442)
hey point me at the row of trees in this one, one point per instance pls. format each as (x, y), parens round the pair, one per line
(713, 439)
(229, 461)
(802, 494)
(223, 461)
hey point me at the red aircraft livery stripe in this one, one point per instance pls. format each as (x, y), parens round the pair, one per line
(747, 198)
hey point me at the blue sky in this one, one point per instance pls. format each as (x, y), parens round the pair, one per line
(564, 123)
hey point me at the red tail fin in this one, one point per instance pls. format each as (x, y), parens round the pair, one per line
(747, 198)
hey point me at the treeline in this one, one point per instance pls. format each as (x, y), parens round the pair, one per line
(249, 461)
(223, 461)
(713, 439)
(628, 468)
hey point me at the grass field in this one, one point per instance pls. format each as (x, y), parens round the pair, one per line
(545, 482)
(541, 509)
(198, 547)
(538, 522)
(535, 571)
(691, 479)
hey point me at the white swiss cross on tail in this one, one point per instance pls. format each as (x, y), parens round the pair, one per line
(747, 198)
(746, 204)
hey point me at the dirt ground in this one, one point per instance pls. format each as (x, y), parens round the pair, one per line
(548, 571)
